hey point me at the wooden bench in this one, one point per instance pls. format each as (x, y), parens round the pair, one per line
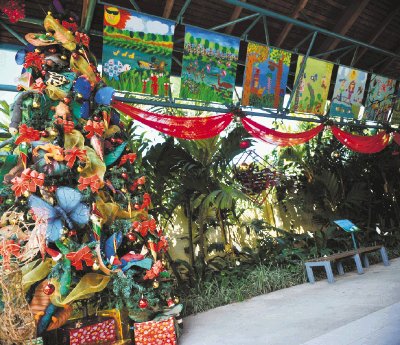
(356, 255)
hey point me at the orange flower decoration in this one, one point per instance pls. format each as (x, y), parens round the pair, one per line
(73, 154)
(146, 201)
(27, 134)
(93, 182)
(33, 59)
(94, 127)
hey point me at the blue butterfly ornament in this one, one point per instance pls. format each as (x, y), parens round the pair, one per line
(69, 211)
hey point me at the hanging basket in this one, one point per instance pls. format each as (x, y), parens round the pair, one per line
(256, 176)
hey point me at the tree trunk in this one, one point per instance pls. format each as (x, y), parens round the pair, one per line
(202, 249)
(251, 59)
(278, 83)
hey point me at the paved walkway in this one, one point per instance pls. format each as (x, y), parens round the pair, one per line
(355, 310)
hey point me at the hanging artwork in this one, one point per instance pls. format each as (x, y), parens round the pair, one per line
(312, 92)
(349, 92)
(379, 98)
(265, 77)
(137, 51)
(395, 118)
(209, 65)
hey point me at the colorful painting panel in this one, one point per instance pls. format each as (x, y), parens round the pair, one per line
(209, 65)
(265, 78)
(312, 93)
(379, 98)
(137, 51)
(395, 119)
(348, 93)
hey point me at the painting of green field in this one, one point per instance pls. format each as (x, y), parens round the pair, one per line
(209, 65)
(137, 51)
(312, 92)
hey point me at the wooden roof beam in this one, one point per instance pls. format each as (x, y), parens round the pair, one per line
(168, 8)
(382, 25)
(344, 24)
(295, 14)
(235, 15)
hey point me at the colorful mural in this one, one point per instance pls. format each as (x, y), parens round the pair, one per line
(395, 118)
(348, 93)
(312, 93)
(209, 65)
(379, 98)
(265, 77)
(137, 51)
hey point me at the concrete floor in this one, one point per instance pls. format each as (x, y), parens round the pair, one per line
(355, 310)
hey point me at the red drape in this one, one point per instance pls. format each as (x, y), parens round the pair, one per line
(363, 144)
(193, 128)
(396, 138)
(279, 138)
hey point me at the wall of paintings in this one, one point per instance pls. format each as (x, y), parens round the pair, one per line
(137, 57)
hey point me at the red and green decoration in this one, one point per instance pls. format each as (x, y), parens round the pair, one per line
(76, 203)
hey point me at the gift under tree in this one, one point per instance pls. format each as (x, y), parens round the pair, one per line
(74, 201)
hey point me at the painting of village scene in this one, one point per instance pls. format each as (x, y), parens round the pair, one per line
(349, 92)
(312, 92)
(209, 66)
(265, 77)
(137, 51)
(379, 98)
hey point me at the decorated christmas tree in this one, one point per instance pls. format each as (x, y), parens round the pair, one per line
(75, 219)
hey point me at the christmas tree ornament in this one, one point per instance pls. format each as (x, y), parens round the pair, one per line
(124, 175)
(131, 237)
(156, 284)
(49, 289)
(244, 144)
(143, 303)
(176, 300)
(170, 302)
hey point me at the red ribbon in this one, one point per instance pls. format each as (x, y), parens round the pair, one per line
(130, 157)
(154, 271)
(193, 128)
(67, 125)
(274, 137)
(72, 154)
(144, 227)
(139, 181)
(360, 143)
(93, 182)
(33, 59)
(28, 181)
(82, 255)
(162, 244)
(146, 201)
(94, 127)
(27, 134)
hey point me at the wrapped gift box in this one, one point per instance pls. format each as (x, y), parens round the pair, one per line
(155, 332)
(90, 331)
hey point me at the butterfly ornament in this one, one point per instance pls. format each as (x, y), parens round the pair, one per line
(69, 211)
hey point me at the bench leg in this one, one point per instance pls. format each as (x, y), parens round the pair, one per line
(384, 256)
(365, 260)
(329, 273)
(310, 274)
(357, 260)
(339, 267)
